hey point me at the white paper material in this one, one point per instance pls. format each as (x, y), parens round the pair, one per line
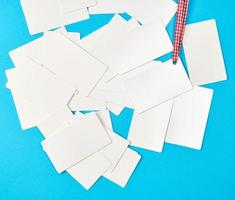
(116, 84)
(114, 151)
(74, 5)
(77, 141)
(121, 51)
(103, 40)
(113, 97)
(39, 86)
(139, 70)
(203, 53)
(142, 11)
(19, 55)
(82, 103)
(115, 108)
(114, 91)
(34, 106)
(107, 7)
(189, 117)
(153, 40)
(104, 34)
(74, 36)
(145, 12)
(67, 60)
(50, 125)
(43, 15)
(158, 85)
(104, 117)
(88, 171)
(62, 30)
(29, 117)
(76, 16)
(148, 130)
(124, 169)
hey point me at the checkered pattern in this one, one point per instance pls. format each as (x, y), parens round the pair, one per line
(180, 27)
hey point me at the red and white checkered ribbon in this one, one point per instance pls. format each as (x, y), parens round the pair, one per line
(180, 27)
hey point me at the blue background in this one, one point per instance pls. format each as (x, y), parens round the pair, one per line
(177, 173)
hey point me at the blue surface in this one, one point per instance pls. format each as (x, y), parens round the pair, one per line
(177, 173)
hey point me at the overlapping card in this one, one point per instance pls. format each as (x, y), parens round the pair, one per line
(59, 75)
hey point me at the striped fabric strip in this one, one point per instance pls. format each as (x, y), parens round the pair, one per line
(180, 27)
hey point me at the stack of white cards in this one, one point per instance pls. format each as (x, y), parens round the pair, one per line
(115, 67)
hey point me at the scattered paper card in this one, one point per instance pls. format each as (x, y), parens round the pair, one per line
(139, 70)
(124, 169)
(34, 106)
(189, 117)
(78, 140)
(50, 125)
(82, 103)
(203, 53)
(107, 7)
(59, 74)
(115, 108)
(121, 51)
(139, 9)
(148, 129)
(114, 151)
(158, 85)
(88, 171)
(74, 5)
(43, 15)
(57, 51)
(105, 119)
(145, 12)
